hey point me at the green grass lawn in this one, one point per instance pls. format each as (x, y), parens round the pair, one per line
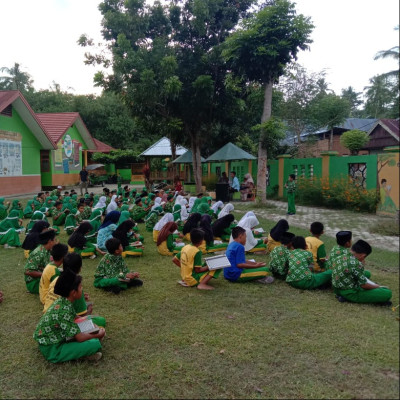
(238, 341)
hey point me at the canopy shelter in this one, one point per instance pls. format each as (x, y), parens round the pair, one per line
(232, 153)
(162, 149)
(187, 159)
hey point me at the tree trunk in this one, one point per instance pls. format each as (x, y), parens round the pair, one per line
(262, 151)
(175, 170)
(331, 140)
(197, 172)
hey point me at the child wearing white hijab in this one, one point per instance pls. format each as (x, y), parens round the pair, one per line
(184, 213)
(252, 244)
(113, 205)
(226, 210)
(160, 224)
(191, 202)
(216, 207)
(101, 203)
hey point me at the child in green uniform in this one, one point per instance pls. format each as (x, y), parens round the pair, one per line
(165, 241)
(10, 227)
(78, 242)
(279, 257)
(59, 215)
(349, 279)
(189, 260)
(16, 205)
(300, 273)
(51, 271)
(242, 270)
(316, 246)
(29, 209)
(3, 208)
(38, 259)
(342, 248)
(112, 273)
(57, 326)
(291, 190)
(137, 211)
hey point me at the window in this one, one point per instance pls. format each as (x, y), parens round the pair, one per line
(7, 111)
(268, 175)
(295, 169)
(310, 171)
(358, 174)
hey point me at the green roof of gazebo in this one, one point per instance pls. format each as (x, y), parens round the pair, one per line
(186, 158)
(230, 152)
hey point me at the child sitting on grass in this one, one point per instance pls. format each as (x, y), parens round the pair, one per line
(242, 270)
(79, 243)
(301, 264)
(52, 270)
(58, 325)
(349, 279)
(193, 272)
(316, 246)
(279, 257)
(166, 245)
(38, 259)
(275, 234)
(112, 273)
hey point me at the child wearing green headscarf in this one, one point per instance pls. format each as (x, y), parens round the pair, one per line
(3, 208)
(9, 229)
(29, 209)
(16, 205)
(152, 218)
(38, 215)
(95, 221)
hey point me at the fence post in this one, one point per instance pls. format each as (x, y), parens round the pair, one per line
(326, 156)
(281, 171)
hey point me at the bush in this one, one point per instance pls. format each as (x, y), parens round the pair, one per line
(210, 182)
(339, 193)
(354, 140)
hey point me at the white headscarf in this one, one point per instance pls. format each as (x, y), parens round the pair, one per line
(249, 178)
(247, 225)
(101, 203)
(216, 206)
(226, 210)
(163, 221)
(157, 203)
(178, 200)
(191, 202)
(245, 216)
(184, 213)
(113, 205)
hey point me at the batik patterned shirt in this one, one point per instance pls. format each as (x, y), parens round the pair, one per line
(291, 186)
(138, 213)
(279, 261)
(37, 261)
(57, 324)
(299, 265)
(337, 251)
(347, 273)
(111, 266)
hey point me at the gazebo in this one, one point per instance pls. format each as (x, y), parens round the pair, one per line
(186, 159)
(162, 149)
(231, 154)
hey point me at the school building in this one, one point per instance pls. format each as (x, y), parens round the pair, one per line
(40, 150)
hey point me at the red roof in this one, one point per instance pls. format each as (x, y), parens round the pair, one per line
(8, 97)
(102, 147)
(57, 124)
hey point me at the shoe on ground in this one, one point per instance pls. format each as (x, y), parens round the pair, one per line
(341, 299)
(386, 303)
(267, 280)
(135, 283)
(93, 257)
(7, 246)
(94, 357)
(183, 283)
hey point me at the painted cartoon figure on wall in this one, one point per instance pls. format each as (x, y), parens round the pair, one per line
(386, 203)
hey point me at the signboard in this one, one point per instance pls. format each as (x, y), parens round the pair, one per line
(10, 153)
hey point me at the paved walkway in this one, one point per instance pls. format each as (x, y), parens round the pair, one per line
(333, 220)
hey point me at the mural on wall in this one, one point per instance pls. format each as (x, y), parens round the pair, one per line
(10, 153)
(68, 155)
(388, 180)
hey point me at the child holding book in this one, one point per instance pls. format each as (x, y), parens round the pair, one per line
(57, 326)
(242, 270)
(112, 273)
(38, 259)
(189, 260)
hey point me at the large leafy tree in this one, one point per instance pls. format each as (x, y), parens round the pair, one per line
(168, 67)
(259, 51)
(15, 79)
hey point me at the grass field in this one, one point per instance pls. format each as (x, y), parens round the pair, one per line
(238, 341)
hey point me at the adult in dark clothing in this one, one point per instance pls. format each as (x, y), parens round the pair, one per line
(83, 174)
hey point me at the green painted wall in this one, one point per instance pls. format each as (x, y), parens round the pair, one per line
(303, 167)
(125, 173)
(73, 168)
(339, 167)
(29, 145)
(273, 175)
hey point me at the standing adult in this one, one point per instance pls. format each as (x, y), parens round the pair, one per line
(83, 174)
(234, 185)
(291, 190)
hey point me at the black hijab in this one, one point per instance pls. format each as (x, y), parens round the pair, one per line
(221, 224)
(78, 239)
(277, 231)
(205, 225)
(121, 232)
(32, 239)
(191, 223)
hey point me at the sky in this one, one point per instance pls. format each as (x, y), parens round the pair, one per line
(42, 37)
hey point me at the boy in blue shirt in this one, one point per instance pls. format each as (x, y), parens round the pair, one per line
(242, 270)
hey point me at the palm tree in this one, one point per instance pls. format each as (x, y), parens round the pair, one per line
(390, 53)
(15, 79)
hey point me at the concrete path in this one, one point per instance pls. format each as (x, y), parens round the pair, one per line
(333, 220)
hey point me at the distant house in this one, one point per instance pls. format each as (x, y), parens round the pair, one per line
(310, 148)
(40, 150)
(384, 133)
